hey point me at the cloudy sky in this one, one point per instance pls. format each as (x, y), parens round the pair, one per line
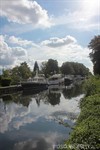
(42, 29)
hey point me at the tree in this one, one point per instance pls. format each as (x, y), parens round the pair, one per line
(67, 68)
(51, 67)
(94, 45)
(15, 75)
(24, 71)
(20, 72)
(36, 67)
(6, 73)
(43, 67)
(74, 68)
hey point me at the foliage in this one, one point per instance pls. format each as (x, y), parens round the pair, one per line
(43, 67)
(92, 85)
(6, 73)
(36, 67)
(24, 71)
(86, 134)
(90, 107)
(94, 45)
(74, 68)
(5, 81)
(20, 72)
(87, 129)
(50, 67)
(15, 75)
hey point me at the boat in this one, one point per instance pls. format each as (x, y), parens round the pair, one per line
(56, 79)
(37, 83)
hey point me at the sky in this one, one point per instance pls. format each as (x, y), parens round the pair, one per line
(42, 29)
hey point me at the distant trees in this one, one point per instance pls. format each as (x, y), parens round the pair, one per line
(21, 72)
(15, 75)
(50, 67)
(94, 45)
(67, 68)
(43, 67)
(5, 79)
(74, 68)
(24, 71)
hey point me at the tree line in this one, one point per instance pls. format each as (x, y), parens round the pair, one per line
(48, 68)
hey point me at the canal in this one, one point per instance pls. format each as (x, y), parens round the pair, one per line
(38, 121)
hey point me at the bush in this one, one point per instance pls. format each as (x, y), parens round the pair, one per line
(86, 134)
(87, 130)
(5, 81)
(92, 85)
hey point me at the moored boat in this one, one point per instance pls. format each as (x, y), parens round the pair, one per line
(56, 79)
(38, 82)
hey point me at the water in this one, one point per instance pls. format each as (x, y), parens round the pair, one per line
(37, 121)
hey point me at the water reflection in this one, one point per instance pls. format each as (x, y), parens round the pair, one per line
(34, 120)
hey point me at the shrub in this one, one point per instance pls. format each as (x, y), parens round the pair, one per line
(86, 134)
(5, 81)
(92, 85)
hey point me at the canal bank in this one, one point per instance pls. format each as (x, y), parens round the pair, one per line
(86, 134)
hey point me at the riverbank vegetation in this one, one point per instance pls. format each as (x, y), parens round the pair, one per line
(86, 134)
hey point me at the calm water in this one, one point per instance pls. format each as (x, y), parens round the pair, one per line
(34, 121)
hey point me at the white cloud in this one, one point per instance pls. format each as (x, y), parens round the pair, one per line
(6, 58)
(25, 12)
(19, 52)
(86, 17)
(62, 49)
(21, 42)
(9, 55)
(68, 51)
(58, 42)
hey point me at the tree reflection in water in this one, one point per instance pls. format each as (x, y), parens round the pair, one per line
(51, 96)
(54, 98)
(40, 118)
(73, 91)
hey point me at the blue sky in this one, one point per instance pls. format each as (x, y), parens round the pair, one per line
(38, 30)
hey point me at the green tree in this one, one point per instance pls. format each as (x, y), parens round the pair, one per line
(67, 68)
(21, 72)
(6, 73)
(15, 75)
(43, 67)
(80, 69)
(24, 71)
(94, 45)
(74, 68)
(36, 67)
(50, 67)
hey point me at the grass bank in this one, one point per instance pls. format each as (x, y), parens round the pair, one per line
(86, 134)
